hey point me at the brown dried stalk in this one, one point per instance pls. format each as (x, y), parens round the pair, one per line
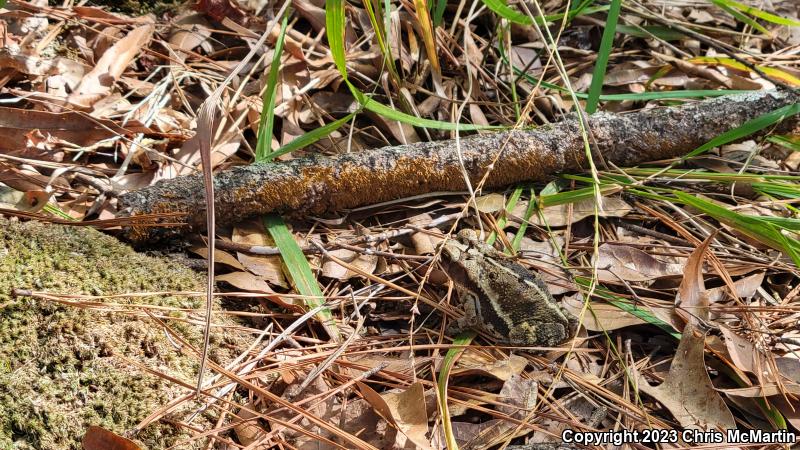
(317, 185)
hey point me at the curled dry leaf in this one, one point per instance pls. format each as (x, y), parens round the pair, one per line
(220, 256)
(266, 267)
(692, 302)
(248, 430)
(561, 215)
(687, 391)
(98, 82)
(332, 269)
(408, 413)
(748, 357)
(490, 203)
(621, 262)
(745, 288)
(190, 30)
(765, 390)
(424, 243)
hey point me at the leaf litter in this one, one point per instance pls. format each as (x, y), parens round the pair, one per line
(97, 102)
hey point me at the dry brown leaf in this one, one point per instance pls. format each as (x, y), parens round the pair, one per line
(687, 391)
(424, 243)
(332, 269)
(220, 10)
(220, 256)
(252, 232)
(765, 390)
(98, 82)
(559, 215)
(408, 413)
(602, 316)
(620, 262)
(98, 438)
(692, 302)
(250, 431)
(190, 30)
(518, 396)
(745, 288)
(395, 364)
(746, 356)
(246, 281)
(490, 203)
(477, 363)
(17, 127)
(789, 367)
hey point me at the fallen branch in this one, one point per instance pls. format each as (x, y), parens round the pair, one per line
(317, 185)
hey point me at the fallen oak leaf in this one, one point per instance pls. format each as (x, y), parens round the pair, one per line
(687, 391)
(406, 410)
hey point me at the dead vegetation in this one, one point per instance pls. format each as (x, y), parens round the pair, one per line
(683, 270)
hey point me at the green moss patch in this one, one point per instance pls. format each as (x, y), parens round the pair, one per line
(60, 366)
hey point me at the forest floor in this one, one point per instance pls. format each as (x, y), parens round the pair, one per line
(334, 330)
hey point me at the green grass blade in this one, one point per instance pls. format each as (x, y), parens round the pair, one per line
(517, 241)
(295, 262)
(438, 12)
(755, 227)
(381, 36)
(503, 220)
(500, 8)
(299, 270)
(626, 305)
(334, 29)
(755, 12)
(267, 122)
(310, 137)
(460, 341)
(334, 20)
(389, 113)
(747, 128)
(740, 17)
(786, 141)
(776, 189)
(603, 54)
(576, 195)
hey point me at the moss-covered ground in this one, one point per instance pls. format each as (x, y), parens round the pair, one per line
(60, 366)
